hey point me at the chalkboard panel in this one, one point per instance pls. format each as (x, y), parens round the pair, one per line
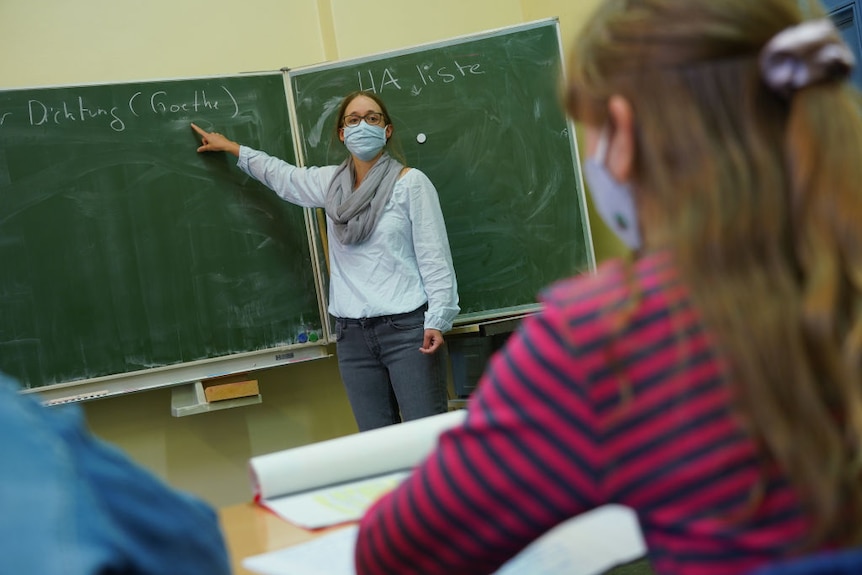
(123, 249)
(481, 116)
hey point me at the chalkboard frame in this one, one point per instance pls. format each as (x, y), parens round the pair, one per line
(175, 375)
(465, 322)
(182, 372)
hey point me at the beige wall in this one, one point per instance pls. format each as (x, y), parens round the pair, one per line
(208, 453)
(371, 27)
(47, 42)
(570, 14)
(55, 42)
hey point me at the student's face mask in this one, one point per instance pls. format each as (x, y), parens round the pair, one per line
(613, 200)
(364, 141)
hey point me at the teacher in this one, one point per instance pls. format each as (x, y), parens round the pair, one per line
(392, 285)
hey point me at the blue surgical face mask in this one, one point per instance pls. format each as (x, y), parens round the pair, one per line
(364, 141)
(613, 200)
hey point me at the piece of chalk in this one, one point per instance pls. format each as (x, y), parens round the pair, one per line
(421, 138)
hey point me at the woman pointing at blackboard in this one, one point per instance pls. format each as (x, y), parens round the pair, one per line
(392, 284)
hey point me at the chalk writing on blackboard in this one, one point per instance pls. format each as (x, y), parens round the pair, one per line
(169, 262)
(80, 110)
(424, 74)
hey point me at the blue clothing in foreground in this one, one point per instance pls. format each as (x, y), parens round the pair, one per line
(72, 505)
(835, 562)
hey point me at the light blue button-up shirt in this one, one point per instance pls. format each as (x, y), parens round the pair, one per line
(405, 261)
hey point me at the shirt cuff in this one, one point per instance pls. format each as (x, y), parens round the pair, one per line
(242, 160)
(436, 322)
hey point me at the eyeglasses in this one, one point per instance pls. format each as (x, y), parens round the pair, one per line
(371, 118)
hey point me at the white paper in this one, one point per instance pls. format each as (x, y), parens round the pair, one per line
(333, 464)
(333, 505)
(588, 544)
(592, 542)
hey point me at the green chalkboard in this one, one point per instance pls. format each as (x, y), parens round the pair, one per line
(122, 249)
(496, 145)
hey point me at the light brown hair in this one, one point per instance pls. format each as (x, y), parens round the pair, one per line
(759, 199)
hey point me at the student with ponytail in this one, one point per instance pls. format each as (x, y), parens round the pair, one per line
(713, 382)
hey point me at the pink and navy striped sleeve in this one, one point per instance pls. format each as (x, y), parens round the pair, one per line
(613, 393)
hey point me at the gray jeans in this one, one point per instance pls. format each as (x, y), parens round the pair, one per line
(386, 377)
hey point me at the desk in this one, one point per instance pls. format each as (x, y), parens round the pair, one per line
(251, 530)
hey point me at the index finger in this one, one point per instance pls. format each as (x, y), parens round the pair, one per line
(198, 130)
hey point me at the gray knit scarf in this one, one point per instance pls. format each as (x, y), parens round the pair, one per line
(356, 212)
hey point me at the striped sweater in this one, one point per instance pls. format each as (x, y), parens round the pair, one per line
(594, 400)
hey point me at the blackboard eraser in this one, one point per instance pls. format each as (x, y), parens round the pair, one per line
(221, 391)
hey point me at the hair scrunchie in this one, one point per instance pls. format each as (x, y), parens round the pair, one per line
(805, 54)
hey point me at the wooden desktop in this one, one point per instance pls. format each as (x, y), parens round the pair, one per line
(251, 530)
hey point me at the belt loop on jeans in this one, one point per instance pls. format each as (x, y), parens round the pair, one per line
(368, 321)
